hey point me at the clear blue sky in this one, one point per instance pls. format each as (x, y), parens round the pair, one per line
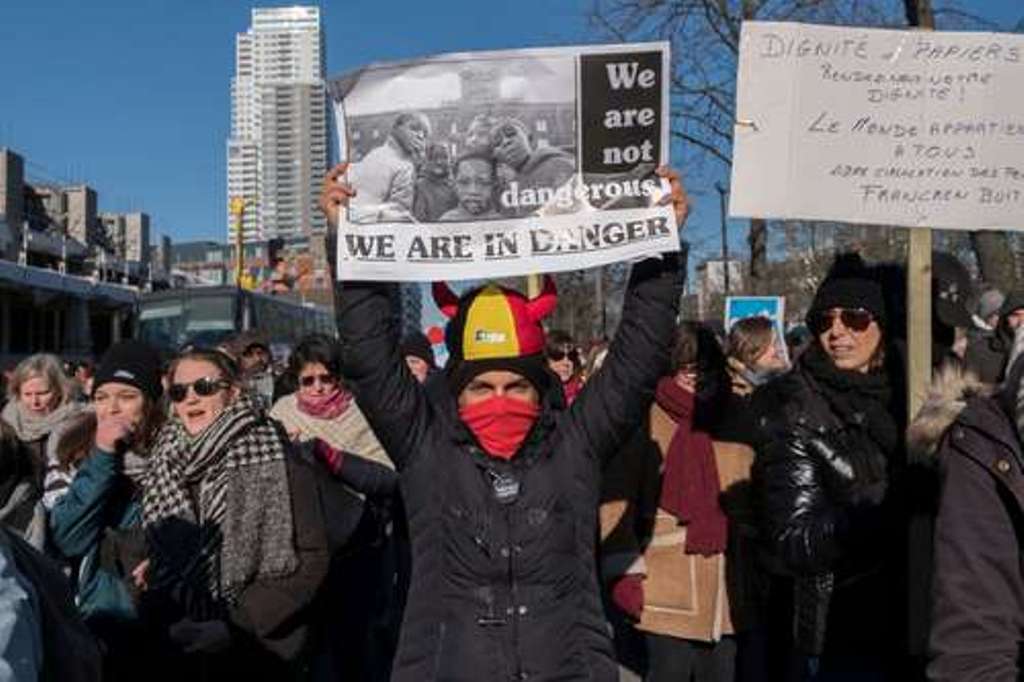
(132, 96)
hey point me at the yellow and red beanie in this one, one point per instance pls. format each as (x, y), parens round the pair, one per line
(493, 328)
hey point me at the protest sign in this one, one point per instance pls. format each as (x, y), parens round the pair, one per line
(771, 307)
(506, 163)
(879, 126)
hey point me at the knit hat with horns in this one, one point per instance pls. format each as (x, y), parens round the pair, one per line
(494, 328)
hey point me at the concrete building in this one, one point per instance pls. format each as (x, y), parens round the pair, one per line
(277, 153)
(128, 234)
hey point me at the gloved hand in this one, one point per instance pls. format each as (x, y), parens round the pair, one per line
(331, 457)
(627, 594)
(208, 636)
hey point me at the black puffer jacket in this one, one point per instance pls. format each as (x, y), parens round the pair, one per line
(506, 591)
(822, 483)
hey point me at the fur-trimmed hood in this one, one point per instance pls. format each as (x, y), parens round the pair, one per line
(946, 399)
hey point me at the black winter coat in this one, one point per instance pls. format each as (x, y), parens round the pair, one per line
(823, 518)
(978, 620)
(506, 590)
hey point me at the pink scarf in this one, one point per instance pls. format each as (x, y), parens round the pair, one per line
(329, 406)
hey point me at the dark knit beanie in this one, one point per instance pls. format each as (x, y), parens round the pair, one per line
(857, 289)
(133, 363)
(418, 345)
(493, 328)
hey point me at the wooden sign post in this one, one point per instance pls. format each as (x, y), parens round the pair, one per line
(919, 275)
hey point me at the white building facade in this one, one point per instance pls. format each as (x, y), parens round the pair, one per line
(277, 153)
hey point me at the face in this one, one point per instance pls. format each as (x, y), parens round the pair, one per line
(511, 145)
(474, 182)
(772, 357)
(561, 363)
(114, 399)
(412, 135)
(1015, 319)
(255, 359)
(418, 367)
(199, 411)
(438, 161)
(315, 380)
(496, 384)
(38, 396)
(850, 348)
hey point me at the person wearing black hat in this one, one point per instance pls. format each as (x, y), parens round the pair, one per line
(418, 354)
(987, 355)
(93, 494)
(829, 437)
(500, 480)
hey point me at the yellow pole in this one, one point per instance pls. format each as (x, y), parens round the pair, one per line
(237, 208)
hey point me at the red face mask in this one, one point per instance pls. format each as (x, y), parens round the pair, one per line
(500, 423)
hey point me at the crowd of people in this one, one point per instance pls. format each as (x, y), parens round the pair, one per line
(677, 504)
(412, 175)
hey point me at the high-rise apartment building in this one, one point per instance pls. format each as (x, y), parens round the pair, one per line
(277, 154)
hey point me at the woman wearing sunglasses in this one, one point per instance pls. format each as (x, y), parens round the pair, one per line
(95, 511)
(234, 527)
(323, 416)
(564, 360)
(322, 407)
(832, 432)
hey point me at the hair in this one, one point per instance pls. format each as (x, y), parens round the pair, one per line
(222, 361)
(697, 345)
(315, 348)
(408, 116)
(477, 154)
(749, 338)
(76, 441)
(595, 358)
(46, 366)
(510, 121)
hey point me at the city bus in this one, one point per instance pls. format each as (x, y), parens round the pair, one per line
(207, 316)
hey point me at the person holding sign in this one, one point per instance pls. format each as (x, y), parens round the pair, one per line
(829, 445)
(500, 482)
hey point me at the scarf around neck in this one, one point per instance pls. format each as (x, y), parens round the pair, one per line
(859, 399)
(30, 427)
(242, 527)
(329, 406)
(690, 485)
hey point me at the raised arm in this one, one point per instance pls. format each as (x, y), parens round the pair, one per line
(390, 397)
(615, 400)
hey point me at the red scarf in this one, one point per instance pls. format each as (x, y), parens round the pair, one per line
(500, 424)
(690, 485)
(329, 406)
(571, 389)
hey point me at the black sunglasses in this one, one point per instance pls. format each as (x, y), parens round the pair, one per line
(854, 319)
(325, 379)
(205, 386)
(561, 354)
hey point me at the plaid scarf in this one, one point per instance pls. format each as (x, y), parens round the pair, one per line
(217, 508)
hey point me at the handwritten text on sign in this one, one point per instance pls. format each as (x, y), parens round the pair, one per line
(877, 126)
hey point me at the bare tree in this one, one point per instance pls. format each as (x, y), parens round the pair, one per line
(705, 34)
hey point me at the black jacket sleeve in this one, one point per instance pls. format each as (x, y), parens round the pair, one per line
(394, 403)
(278, 613)
(978, 617)
(369, 478)
(613, 403)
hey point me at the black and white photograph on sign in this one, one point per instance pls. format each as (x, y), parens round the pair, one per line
(472, 141)
(496, 164)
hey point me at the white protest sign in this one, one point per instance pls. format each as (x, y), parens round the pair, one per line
(492, 164)
(912, 128)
